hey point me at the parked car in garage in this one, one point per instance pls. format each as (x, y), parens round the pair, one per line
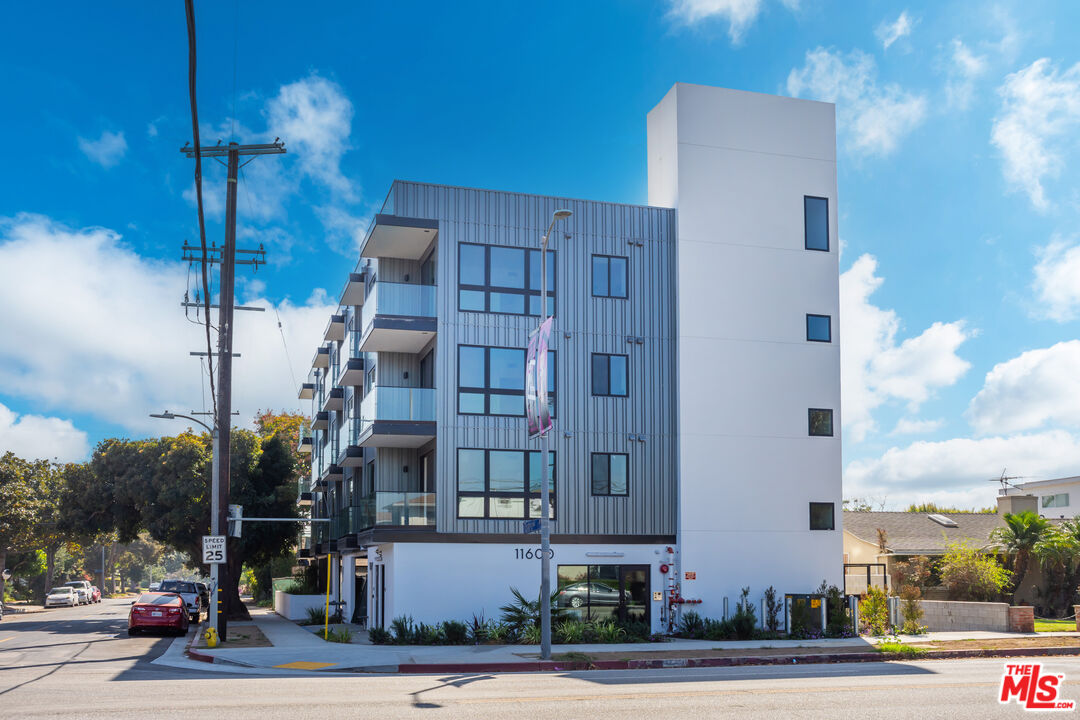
(158, 611)
(61, 596)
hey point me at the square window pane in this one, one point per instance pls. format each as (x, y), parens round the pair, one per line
(819, 328)
(821, 516)
(506, 404)
(471, 365)
(506, 507)
(821, 422)
(507, 267)
(471, 470)
(816, 216)
(510, 303)
(534, 270)
(600, 375)
(600, 276)
(618, 277)
(506, 470)
(534, 471)
(472, 300)
(470, 507)
(618, 375)
(471, 403)
(534, 507)
(534, 304)
(471, 264)
(601, 482)
(618, 475)
(507, 369)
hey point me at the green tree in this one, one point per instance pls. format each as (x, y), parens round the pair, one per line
(49, 533)
(19, 506)
(1058, 552)
(969, 574)
(1019, 536)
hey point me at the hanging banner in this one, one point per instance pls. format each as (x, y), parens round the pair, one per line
(536, 381)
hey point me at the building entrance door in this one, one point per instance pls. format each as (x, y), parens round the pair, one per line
(634, 581)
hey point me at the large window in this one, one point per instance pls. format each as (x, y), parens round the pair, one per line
(1055, 501)
(491, 380)
(503, 279)
(608, 276)
(816, 218)
(604, 592)
(610, 474)
(822, 516)
(501, 484)
(609, 375)
(821, 422)
(819, 328)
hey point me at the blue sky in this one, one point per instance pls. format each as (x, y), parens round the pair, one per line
(959, 196)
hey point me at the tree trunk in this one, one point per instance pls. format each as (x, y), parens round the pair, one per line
(234, 608)
(1021, 571)
(3, 565)
(50, 567)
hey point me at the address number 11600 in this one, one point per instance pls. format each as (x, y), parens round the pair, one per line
(532, 553)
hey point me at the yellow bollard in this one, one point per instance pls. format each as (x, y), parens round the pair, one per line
(211, 637)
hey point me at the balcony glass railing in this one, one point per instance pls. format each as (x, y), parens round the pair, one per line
(401, 299)
(389, 508)
(394, 404)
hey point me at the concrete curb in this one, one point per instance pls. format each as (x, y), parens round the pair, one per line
(825, 658)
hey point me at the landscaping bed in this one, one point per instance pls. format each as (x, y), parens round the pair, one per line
(241, 635)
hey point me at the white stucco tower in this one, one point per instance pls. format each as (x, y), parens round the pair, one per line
(753, 179)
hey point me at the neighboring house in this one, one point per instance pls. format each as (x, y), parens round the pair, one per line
(695, 380)
(908, 534)
(1059, 498)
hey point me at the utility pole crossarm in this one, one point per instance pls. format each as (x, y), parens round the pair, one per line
(274, 148)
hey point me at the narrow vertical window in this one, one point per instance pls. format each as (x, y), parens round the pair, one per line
(816, 220)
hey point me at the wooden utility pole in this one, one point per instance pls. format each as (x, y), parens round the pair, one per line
(223, 421)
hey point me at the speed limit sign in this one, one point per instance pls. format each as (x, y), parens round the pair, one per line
(213, 549)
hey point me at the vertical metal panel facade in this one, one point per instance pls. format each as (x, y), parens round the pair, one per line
(583, 325)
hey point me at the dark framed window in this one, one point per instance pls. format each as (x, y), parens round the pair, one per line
(816, 221)
(822, 516)
(609, 276)
(609, 375)
(491, 380)
(819, 328)
(610, 474)
(501, 484)
(427, 370)
(497, 279)
(821, 422)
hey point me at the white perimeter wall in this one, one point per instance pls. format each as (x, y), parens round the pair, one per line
(452, 581)
(736, 165)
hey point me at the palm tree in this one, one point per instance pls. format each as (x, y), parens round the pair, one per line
(1021, 532)
(1057, 551)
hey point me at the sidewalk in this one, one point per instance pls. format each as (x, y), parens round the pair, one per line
(298, 648)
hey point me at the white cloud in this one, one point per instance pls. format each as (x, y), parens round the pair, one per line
(1040, 106)
(964, 68)
(106, 335)
(909, 426)
(876, 369)
(314, 117)
(888, 33)
(739, 14)
(107, 150)
(1057, 280)
(35, 437)
(875, 118)
(956, 471)
(1034, 389)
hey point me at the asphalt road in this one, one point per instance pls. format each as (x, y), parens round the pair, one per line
(80, 663)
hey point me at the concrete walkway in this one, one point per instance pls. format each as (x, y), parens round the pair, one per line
(297, 647)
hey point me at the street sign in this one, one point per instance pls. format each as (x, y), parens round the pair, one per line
(236, 523)
(213, 549)
(530, 526)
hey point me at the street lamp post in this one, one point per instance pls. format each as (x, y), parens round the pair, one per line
(215, 525)
(545, 511)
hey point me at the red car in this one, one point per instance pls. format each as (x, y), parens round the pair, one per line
(95, 594)
(158, 611)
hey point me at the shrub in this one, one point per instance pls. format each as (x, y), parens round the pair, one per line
(719, 629)
(379, 636)
(428, 634)
(403, 629)
(531, 636)
(609, 632)
(522, 613)
(315, 616)
(691, 626)
(968, 574)
(478, 629)
(745, 619)
(636, 631)
(570, 632)
(339, 636)
(500, 633)
(837, 619)
(874, 611)
(911, 609)
(773, 606)
(454, 632)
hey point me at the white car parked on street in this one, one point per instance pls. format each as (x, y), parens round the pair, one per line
(60, 596)
(83, 590)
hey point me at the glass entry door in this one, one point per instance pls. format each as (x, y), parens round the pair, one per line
(635, 593)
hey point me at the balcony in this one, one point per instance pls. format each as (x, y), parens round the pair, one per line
(400, 509)
(394, 236)
(335, 329)
(398, 317)
(334, 400)
(321, 421)
(304, 446)
(305, 499)
(322, 358)
(353, 292)
(307, 391)
(352, 372)
(394, 417)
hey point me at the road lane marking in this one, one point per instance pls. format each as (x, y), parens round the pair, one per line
(8, 638)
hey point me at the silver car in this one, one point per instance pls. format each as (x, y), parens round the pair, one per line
(61, 596)
(82, 589)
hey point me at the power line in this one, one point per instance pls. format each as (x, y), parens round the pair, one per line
(285, 345)
(189, 7)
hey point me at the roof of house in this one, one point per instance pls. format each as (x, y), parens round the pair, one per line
(909, 533)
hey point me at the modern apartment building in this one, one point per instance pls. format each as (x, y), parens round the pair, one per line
(696, 383)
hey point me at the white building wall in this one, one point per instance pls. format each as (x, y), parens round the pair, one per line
(737, 165)
(1044, 488)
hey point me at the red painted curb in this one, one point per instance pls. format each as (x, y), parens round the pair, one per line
(557, 666)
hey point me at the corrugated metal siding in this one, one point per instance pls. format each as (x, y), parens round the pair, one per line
(594, 324)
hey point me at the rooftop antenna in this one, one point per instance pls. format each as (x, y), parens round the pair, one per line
(1005, 479)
